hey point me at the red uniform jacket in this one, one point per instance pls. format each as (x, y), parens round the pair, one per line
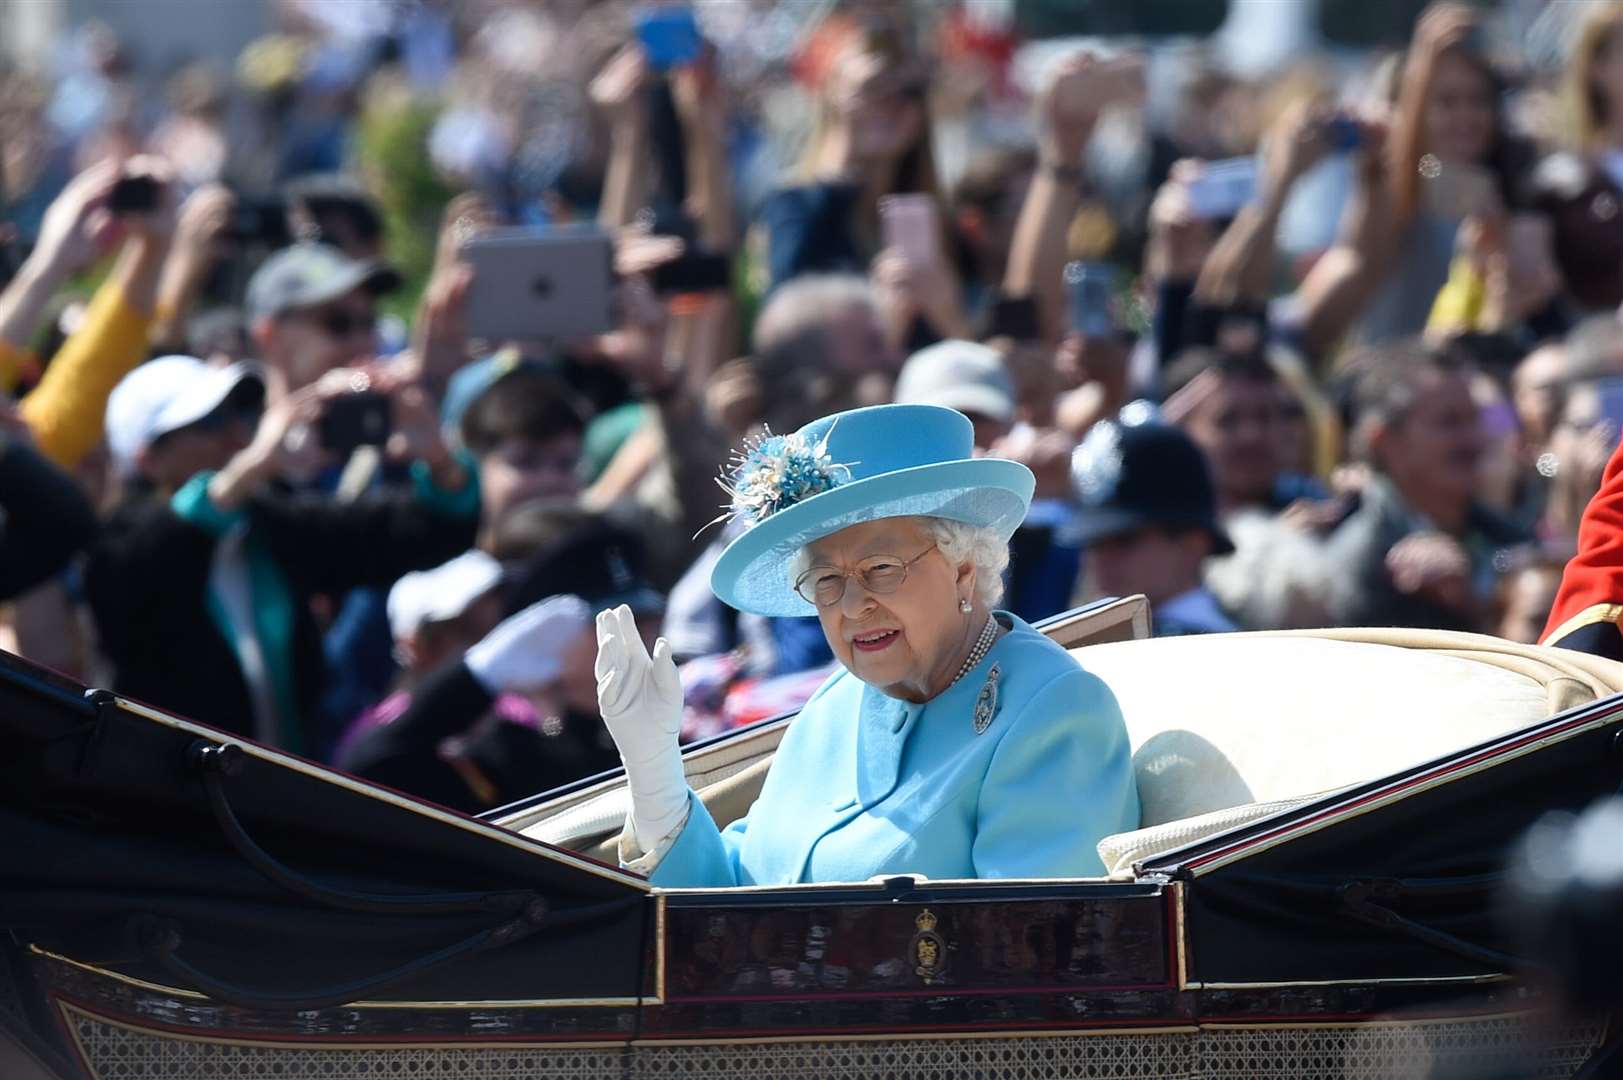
(1589, 605)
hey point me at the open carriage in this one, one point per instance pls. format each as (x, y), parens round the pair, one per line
(1312, 894)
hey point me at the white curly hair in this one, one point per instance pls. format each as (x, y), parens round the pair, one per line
(960, 542)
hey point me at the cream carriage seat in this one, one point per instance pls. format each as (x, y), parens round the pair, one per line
(1229, 728)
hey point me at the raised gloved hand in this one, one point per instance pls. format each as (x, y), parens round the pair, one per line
(525, 651)
(640, 698)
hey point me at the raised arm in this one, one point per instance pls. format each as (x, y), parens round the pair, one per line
(617, 90)
(1240, 267)
(204, 218)
(73, 232)
(702, 111)
(66, 410)
(1067, 108)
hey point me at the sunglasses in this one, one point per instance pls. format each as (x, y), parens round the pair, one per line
(341, 323)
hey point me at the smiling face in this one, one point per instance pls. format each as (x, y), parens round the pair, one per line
(908, 643)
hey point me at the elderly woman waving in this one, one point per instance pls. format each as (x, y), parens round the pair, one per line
(957, 741)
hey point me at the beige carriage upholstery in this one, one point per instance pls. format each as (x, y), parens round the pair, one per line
(1229, 728)
(1226, 728)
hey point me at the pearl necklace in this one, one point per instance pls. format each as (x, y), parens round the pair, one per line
(982, 644)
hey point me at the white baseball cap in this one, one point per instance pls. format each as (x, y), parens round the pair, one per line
(962, 375)
(165, 395)
(444, 592)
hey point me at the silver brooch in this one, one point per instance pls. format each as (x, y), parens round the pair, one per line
(986, 700)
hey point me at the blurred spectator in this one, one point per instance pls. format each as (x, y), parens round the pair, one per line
(194, 135)
(64, 411)
(437, 613)
(986, 203)
(335, 210)
(819, 347)
(1580, 186)
(525, 431)
(872, 139)
(1419, 549)
(1574, 457)
(1230, 406)
(1526, 596)
(966, 376)
(1536, 386)
(312, 309)
(1444, 157)
(1149, 523)
(45, 519)
(515, 712)
(202, 582)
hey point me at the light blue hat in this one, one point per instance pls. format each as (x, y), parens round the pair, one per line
(862, 465)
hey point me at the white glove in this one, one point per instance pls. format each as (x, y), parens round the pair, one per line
(640, 698)
(525, 652)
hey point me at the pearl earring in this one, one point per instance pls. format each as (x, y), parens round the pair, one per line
(965, 606)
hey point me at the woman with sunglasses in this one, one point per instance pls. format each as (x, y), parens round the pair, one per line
(955, 741)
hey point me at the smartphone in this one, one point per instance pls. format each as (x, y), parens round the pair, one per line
(133, 195)
(1090, 298)
(908, 222)
(553, 282)
(699, 272)
(669, 36)
(352, 420)
(1222, 188)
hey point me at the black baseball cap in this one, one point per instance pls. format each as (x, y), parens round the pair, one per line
(1130, 476)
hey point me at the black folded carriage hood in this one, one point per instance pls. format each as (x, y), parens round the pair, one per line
(168, 851)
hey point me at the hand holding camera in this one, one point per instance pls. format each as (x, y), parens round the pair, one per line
(1302, 137)
(144, 200)
(78, 227)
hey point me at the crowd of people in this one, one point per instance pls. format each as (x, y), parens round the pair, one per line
(1332, 345)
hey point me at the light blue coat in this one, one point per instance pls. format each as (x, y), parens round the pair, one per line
(866, 785)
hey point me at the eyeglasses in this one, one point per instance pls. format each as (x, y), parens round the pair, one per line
(881, 574)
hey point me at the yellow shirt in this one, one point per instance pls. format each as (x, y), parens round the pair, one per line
(67, 410)
(16, 364)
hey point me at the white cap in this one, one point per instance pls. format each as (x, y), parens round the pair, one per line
(962, 375)
(442, 593)
(165, 395)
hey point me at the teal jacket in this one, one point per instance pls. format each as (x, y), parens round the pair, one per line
(865, 785)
